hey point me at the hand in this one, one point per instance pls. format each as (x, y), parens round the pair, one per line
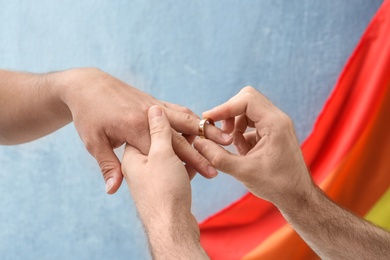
(160, 186)
(271, 164)
(108, 113)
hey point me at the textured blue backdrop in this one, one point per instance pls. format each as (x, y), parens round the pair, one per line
(194, 53)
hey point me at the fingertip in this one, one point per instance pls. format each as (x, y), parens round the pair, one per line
(209, 172)
(113, 184)
(217, 135)
(154, 111)
(228, 139)
(109, 184)
(207, 114)
(212, 172)
(110, 167)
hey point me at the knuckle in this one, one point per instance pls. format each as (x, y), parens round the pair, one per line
(188, 111)
(286, 121)
(217, 160)
(249, 92)
(106, 167)
(249, 89)
(188, 119)
(89, 145)
(183, 109)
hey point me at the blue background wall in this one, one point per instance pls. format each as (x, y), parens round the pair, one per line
(194, 53)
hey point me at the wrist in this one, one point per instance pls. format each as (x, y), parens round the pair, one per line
(66, 84)
(172, 223)
(60, 86)
(298, 195)
(302, 203)
(39, 110)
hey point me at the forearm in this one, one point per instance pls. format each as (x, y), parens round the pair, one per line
(174, 238)
(30, 106)
(335, 233)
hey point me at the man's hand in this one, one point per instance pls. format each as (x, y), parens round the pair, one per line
(108, 113)
(271, 164)
(160, 186)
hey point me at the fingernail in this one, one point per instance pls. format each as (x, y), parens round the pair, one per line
(212, 172)
(155, 111)
(109, 184)
(226, 137)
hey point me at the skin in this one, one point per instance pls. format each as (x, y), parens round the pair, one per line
(160, 186)
(106, 113)
(270, 164)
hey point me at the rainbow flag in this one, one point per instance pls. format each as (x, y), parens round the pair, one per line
(348, 154)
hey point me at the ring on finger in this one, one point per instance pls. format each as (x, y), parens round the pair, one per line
(201, 126)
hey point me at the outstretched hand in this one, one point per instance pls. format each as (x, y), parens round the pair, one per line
(108, 113)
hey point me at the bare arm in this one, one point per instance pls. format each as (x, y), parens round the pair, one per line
(30, 107)
(160, 186)
(272, 167)
(333, 232)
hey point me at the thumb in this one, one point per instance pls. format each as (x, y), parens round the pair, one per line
(110, 167)
(160, 132)
(220, 158)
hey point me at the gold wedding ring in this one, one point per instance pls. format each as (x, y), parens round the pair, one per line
(202, 123)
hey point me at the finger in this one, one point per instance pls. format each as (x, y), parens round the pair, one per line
(252, 138)
(245, 142)
(191, 171)
(219, 157)
(240, 143)
(177, 107)
(190, 138)
(141, 141)
(109, 165)
(241, 124)
(160, 133)
(188, 124)
(132, 159)
(136, 131)
(248, 101)
(131, 152)
(228, 125)
(192, 157)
